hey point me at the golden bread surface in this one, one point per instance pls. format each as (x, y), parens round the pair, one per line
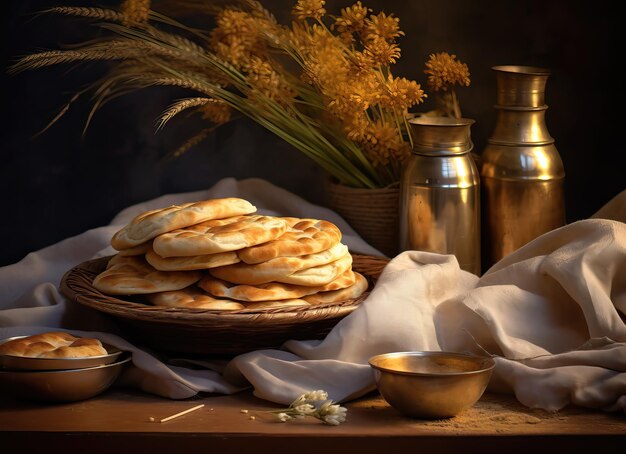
(219, 235)
(277, 268)
(193, 298)
(140, 249)
(303, 237)
(275, 304)
(132, 275)
(270, 291)
(334, 296)
(192, 262)
(152, 223)
(53, 345)
(319, 275)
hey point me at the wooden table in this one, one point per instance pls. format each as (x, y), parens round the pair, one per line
(119, 421)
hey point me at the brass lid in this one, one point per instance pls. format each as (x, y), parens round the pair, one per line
(441, 135)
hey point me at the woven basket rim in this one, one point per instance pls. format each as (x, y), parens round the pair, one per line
(338, 187)
(76, 285)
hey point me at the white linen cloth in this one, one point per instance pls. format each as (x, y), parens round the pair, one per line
(551, 314)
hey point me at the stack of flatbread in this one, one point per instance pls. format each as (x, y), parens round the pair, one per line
(218, 254)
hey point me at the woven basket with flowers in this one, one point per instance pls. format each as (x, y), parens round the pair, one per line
(323, 83)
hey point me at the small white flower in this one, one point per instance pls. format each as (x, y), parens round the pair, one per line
(315, 396)
(330, 413)
(310, 396)
(304, 409)
(334, 420)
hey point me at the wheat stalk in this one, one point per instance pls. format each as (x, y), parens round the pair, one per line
(195, 140)
(178, 107)
(93, 13)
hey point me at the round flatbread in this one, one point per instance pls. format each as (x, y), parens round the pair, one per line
(220, 235)
(319, 275)
(140, 249)
(197, 262)
(277, 268)
(134, 276)
(53, 345)
(193, 298)
(303, 237)
(276, 304)
(333, 296)
(270, 291)
(149, 224)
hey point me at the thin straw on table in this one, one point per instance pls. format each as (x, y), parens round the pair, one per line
(184, 412)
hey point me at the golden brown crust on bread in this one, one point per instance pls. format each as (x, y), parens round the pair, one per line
(277, 268)
(220, 235)
(53, 345)
(193, 298)
(319, 275)
(303, 237)
(333, 296)
(134, 276)
(149, 224)
(270, 291)
(274, 304)
(198, 262)
(140, 249)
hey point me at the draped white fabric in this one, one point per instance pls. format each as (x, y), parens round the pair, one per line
(551, 314)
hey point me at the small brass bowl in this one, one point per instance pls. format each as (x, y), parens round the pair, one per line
(431, 385)
(68, 385)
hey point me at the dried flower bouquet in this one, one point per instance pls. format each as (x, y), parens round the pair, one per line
(324, 83)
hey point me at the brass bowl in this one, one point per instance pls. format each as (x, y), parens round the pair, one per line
(61, 385)
(431, 385)
(25, 363)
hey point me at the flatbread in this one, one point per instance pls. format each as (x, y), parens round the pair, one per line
(192, 298)
(149, 224)
(53, 344)
(140, 249)
(303, 237)
(277, 268)
(220, 235)
(319, 275)
(134, 276)
(333, 296)
(275, 304)
(270, 291)
(197, 262)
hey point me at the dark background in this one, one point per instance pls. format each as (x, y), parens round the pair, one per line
(60, 183)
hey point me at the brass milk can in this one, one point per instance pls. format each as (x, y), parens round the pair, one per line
(440, 192)
(521, 170)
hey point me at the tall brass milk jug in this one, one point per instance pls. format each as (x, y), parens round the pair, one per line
(440, 192)
(522, 174)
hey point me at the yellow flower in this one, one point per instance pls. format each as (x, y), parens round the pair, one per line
(382, 26)
(382, 143)
(445, 70)
(236, 36)
(402, 93)
(351, 20)
(381, 51)
(135, 12)
(309, 8)
(263, 77)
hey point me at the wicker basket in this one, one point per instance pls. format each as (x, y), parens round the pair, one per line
(200, 331)
(372, 213)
